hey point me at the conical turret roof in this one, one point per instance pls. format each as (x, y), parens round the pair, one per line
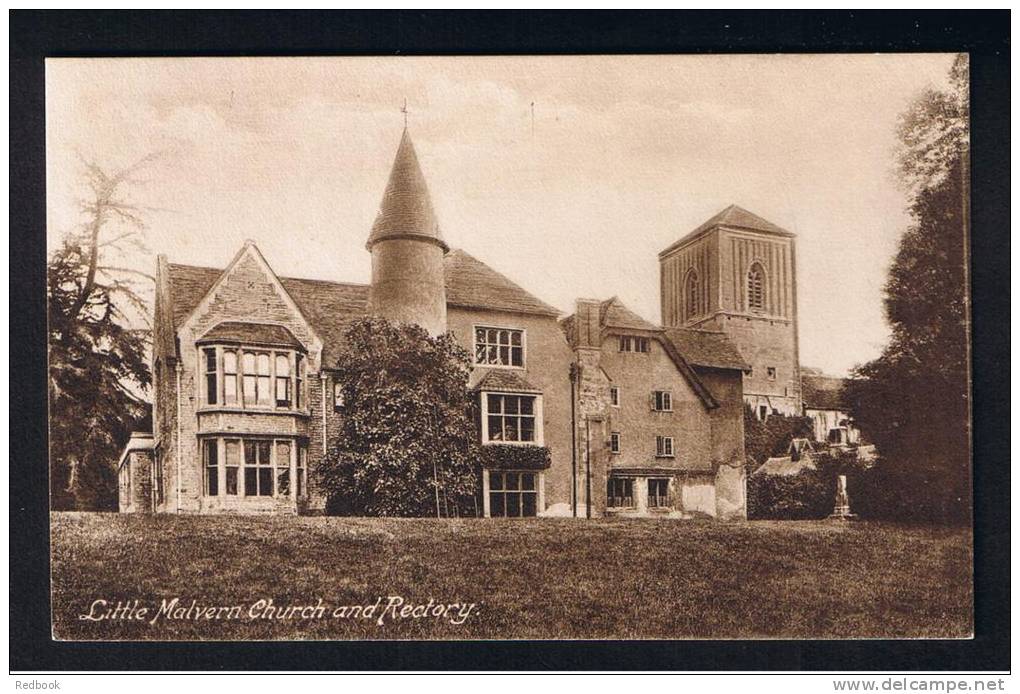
(406, 209)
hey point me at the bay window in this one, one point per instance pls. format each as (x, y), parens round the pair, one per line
(511, 418)
(252, 378)
(245, 466)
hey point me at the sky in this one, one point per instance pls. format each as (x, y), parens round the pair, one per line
(568, 174)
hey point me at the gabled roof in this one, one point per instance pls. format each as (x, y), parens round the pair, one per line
(329, 306)
(240, 332)
(613, 314)
(470, 283)
(733, 217)
(707, 348)
(822, 392)
(406, 208)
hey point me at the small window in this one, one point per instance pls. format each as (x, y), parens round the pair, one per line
(658, 493)
(299, 383)
(620, 492)
(662, 401)
(770, 371)
(211, 385)
(763, 412)
(210, 453)
(302, 470)
(632, 343)
(614, 442)
(338, 397)
(663, 446)
(614, 396)
(499, 346)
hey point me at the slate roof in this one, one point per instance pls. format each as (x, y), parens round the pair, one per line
(505, 380)
(706, 348)
(822, 392)
(406, 208)
(735, 217)
(470, 283)
(251, 333)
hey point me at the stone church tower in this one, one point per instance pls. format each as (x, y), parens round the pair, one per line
(737, 273)
(407, 249)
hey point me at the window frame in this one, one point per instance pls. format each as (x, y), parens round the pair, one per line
(662, 401)
(338, 396)
(634, 343)
(537, 415)
(663, 497)
(502, 490)
(615, 443)
(614, 396)
(475, 327)
(240, 377)
(627, 484)
(771, 373)
(662, 443)
(756, 268)
(296, 462)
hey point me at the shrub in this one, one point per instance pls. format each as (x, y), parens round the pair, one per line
(808, 495)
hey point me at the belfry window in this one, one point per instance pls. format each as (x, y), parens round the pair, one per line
(692, 294)
(756, 289)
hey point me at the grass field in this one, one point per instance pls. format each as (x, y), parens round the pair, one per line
(530, 579)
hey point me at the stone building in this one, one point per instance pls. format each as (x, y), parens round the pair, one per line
(736, 273)
(823, 404)
(637, 419)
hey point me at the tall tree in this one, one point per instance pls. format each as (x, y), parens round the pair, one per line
(913, 401)
(98, 370)
(408, 441)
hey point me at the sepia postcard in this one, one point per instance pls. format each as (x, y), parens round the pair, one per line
(499, 348)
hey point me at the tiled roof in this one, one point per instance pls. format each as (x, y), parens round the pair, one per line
(706, 348)
(406, 208)
(784, 466)
(470, 283)
(251, 333)
(822, 392)
(733, 217)
(505, 380)
(331, 306)
(613, 314)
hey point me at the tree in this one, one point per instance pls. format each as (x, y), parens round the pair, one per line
(912, 401)
(97, 362)
(771, 437)
(408, 440)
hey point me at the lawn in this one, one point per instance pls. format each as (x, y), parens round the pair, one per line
(526, 579)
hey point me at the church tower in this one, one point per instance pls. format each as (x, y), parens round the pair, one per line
(407, 249)
(737, 273)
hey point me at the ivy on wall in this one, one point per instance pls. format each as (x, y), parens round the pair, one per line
(506, 457)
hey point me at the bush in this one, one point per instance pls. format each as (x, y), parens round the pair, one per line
(808, 495)
(763, 440)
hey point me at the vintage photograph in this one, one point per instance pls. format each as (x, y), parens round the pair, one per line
(509, 347)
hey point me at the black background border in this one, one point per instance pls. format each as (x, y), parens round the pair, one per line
(35, 35)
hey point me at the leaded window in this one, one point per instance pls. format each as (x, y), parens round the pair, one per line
(510, 418)
(513, 494)
(499, 346)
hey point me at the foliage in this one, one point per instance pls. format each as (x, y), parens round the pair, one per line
(408, 431)
(507, 457)
(772, 437)
(97, 362)
(912, 401)
(807, 495)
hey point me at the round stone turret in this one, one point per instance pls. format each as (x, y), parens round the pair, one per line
(407, 249)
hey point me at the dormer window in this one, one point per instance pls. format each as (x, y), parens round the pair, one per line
(633, 343)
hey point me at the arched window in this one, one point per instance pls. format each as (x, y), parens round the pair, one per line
(756, 289)
(692, 292)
